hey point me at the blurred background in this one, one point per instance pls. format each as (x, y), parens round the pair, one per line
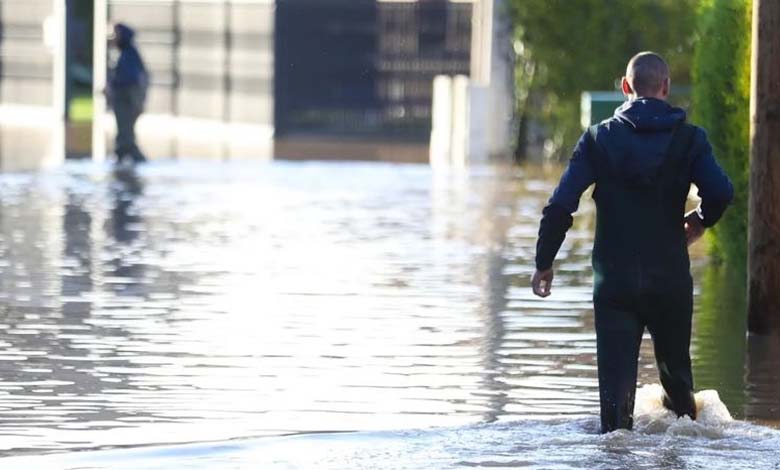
(264, 79)
(332, 78)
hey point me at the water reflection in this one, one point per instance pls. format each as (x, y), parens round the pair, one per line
(196, 302)
(763, 381)
(451, 194)
(126, 221)
(77, 270)
(720, 329)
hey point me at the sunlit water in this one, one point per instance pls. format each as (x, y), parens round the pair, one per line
(341, 315)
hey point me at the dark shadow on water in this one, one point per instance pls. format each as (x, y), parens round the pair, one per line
(127, 188)
(741, 367)
(763, 380)
(126, 226)
(719, 336)
(76, 228)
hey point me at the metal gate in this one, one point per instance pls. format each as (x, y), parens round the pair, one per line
(365, 67)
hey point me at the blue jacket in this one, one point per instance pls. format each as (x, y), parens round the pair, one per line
(652, 121)
(130, 69)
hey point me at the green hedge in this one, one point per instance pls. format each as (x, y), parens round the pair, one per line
(565, 47)
(721, 104)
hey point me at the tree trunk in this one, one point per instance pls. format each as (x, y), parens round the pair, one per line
(521, 141)
(764, 214)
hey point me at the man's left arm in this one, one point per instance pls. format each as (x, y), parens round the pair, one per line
(715, 189)
(557, 215)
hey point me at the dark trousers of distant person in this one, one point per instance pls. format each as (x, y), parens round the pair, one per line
(128, 103)
(624, 307)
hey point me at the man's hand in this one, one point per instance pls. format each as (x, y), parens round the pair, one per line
(693, 227)
(541, 282)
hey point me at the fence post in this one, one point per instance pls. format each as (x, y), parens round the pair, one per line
(99, 65)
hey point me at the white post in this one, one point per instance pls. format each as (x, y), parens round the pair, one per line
(460, 122)
(481, 41)
(441, 122)
(492, 83)
(99, 65)
(480, 118)
(57, 153)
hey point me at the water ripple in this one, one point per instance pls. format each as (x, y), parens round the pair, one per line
(205, 302)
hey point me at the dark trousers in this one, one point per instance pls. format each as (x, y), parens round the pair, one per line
(622, 313)
(128, 104)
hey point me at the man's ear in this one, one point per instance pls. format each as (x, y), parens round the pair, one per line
(666, 87)
(626, 87)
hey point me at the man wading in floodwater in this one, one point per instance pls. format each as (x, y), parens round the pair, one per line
(642, 161)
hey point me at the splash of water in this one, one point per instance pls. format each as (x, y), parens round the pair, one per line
(659, 440)
(651, 417)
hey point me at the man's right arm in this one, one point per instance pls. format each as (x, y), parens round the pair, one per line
(557, 215)
(715, 188)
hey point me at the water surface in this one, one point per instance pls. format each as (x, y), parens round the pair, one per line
(232, 315)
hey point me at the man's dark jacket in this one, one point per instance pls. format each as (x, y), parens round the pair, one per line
(640, 152)
(130, 69)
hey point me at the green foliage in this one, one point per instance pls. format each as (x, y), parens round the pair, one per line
(566, 47)
(81, 108)
(721, 99)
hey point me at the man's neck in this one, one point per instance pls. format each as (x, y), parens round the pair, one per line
(645, 97)
(655, 97)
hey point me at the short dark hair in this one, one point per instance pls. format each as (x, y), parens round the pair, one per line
(647, 72)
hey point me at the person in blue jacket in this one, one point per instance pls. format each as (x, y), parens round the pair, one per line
(642, 162)
(128, 82)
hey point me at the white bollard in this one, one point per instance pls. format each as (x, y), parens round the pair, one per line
(459, 148)
(441, 122)
(480, 118)
(32, 112)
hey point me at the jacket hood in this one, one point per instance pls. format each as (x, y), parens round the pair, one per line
(649, 114)
(125, 34)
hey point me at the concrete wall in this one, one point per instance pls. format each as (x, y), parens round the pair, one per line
(501, 91)
(491, 106)
(211, 65)
(473, 117)
(32, 42)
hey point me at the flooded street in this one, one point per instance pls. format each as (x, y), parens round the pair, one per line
(333, 315)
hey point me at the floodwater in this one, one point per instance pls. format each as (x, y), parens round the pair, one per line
(334, 316)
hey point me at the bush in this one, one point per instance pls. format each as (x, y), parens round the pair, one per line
(565, 47)
(721, 105)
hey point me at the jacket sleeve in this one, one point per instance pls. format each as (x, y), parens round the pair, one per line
(557, 215)
(715, 188)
